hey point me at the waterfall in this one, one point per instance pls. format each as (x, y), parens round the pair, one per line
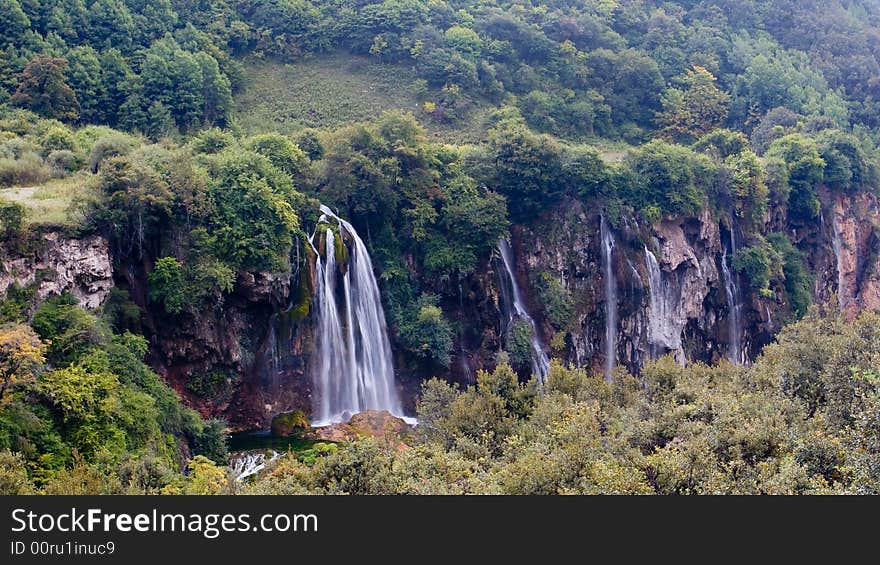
(837, 245)
(354, 370)
(540, 361)
(248, 464)
(465, 365)
(610, 298)
(731, 289)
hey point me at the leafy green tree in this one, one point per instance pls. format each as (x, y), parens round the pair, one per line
(282, 153)
(805, 169)
(424, 330)
(14, 23)
(846, 166)
(695, 109)
(666, 176)
(255, 218)
(43, 89)
(84, 76)
(526, 168)
(110, 25)
(174, 78)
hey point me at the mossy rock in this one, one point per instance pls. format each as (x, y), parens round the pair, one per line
(290, 423)
(304, 292)
(341, 250)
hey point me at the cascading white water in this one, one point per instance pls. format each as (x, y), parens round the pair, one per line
(247, 464)
(610, 298)
(734, 323)
(354, 370)
(837, 245)
(540, 361)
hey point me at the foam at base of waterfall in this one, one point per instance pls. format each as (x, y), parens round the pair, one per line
(344, 417)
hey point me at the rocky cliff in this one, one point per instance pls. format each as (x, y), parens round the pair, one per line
(246, 356)
(676, 294)
(52, 263)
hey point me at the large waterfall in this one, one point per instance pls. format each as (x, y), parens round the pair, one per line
(540, 361)
(731, 289)
(353, 371)
(610, 298)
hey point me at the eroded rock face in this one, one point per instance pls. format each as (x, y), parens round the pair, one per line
(62, 264)
(853, 231)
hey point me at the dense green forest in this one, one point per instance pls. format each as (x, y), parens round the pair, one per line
(124, 118)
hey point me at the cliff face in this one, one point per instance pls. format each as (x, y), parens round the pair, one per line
(242, 359)
(677, 292)
(55, 263)
(246, 358)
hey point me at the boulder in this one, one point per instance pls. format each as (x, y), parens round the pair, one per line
(378, 424)
(289, 423)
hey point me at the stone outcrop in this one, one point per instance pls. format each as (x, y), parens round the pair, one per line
(57, 263)
(377, 424)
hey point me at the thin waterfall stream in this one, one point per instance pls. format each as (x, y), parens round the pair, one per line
(540, 361)
(610, 298)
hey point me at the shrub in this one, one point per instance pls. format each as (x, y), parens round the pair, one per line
(518, 343)
(211, 141)
(167, 285)
(111, 145)
(11, 218)
(424, 330)
(556, 299)
(25, 170)
(63, 161)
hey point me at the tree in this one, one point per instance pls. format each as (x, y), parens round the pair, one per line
(44, 90)
(695, 109)
(806, 170)
(255, 219)
(167, 284)
(14, 23)
(22, 355)
(85, 78)
(526, 168)
(665, 177)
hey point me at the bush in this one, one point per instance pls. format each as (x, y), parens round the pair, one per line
(424, 330)
(11, 218)
(757, 263)
(167, 285)
(111, 145)
(29, 169)
(798, 281)
(281, 152)
(555, 298)
(518, 343)
(59, 138)
(211, 141)
(13, 474)
(63, 161)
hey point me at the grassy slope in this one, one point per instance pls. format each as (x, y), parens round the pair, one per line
(335, 90)
(49, 203)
